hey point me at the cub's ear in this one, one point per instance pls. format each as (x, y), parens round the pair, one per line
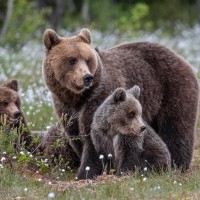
(50, 38)
(13, 84)
(119, 95)
(85, 35)
(135, 91)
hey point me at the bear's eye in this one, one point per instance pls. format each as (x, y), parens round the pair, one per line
(4, 103)
(72, 61)
(88, 62)
(131, 114)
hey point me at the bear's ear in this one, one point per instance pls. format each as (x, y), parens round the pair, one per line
(13, 84)
(50, 38)
(119, 95)
(85, 35)
(135, 91)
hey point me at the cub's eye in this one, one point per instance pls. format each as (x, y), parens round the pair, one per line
(72, 61)
(132, 114)
(4, 103)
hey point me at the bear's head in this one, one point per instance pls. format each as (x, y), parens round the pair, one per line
(122, 112)
(69, 62)
(9, 103)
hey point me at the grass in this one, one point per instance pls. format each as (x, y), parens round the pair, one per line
(30, 177)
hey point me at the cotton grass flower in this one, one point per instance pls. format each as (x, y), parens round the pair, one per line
(145, 169)
(101, 157)
(87, 169)
(51, 195)
(109, 155)
(144, 179)
(3, 159)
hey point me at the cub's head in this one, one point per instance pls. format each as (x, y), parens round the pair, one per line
(9, 103)
(69, 62)
(122, 112)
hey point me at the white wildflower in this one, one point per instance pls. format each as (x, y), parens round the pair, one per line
(14, 157)
(131, 189)
(39, 179)
(49, 182)
(2, 159)
(87, 168)
(63, 170)
(145, 169)
(25, 189)
(144, 179)
(4, 152)
(51, 195)
(101, 157)
(21, 152)
(109, 155)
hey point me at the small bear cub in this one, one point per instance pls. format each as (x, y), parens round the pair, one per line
(119, 129)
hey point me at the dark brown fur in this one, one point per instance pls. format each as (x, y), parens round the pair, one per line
(170, 91)
(55, 146)
(10, 103)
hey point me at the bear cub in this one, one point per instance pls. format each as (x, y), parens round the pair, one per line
(119, 129)
(11, 115)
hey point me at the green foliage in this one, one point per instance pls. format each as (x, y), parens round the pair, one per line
(104, 15)
(7, 139)
(24, 23)
(136, 18)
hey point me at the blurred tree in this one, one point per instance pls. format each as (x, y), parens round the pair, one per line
(7, 18)
(198, 9)
(85, 11)
(22, 22)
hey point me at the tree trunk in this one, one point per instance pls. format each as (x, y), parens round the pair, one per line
(85, 12)
(6, 21)
(198, 9)
(57, 14)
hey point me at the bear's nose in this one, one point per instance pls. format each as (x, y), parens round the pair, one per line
(87, 79)
(17, 114)
(143, 128)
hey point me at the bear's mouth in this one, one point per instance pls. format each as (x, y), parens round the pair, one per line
(11, 120)
(80, 88)
(136, 132)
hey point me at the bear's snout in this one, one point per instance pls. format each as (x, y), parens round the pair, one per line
(87, 80)
(17, 114)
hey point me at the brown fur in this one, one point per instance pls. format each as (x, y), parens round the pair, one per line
(118, 128)
(10, 104)
(170, 91)
(55, 146)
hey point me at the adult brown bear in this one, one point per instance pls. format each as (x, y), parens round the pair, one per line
(80, 79)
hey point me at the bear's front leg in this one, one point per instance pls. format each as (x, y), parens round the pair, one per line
(90, 160)
(69, 121)
(89, 155)
(129, 154)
